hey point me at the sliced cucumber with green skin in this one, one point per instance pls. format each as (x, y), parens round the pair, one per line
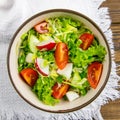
(33, 41)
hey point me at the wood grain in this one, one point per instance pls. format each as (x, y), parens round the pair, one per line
(111, 111)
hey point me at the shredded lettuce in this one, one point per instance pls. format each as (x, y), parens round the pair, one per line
(82, 58)
(43, 89)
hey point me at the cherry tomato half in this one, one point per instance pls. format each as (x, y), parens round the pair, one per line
(29, 75)
(61, 55)
(87, 39)
(94, 73)
(41, 27)
(59, 90)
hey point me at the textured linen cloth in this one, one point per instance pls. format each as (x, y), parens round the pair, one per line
(12, 14)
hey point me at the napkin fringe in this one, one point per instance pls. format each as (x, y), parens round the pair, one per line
(78, 115)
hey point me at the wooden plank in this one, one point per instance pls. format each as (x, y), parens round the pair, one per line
(111, 111)
(115, 16)
(112, 4)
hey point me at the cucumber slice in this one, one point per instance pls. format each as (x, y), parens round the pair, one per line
(32, 42)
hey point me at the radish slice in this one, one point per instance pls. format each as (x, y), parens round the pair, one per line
(66, 71)
(41, 68)
(46, 45)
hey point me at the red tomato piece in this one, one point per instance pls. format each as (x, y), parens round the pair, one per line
(29, 75)
(59, 91)
(41, 27)
(61, 55)
(94, 73)
(87, 40)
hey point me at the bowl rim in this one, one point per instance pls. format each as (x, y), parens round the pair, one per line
(68, 11)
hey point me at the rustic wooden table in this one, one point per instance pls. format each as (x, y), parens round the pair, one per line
(111, 111)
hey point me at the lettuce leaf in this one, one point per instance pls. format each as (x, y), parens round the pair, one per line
(43, 89)
(82, 58)
(80, 85)
(24, 50)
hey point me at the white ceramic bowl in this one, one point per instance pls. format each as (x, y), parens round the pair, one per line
(24, 90)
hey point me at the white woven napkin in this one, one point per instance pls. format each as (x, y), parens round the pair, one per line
(12, 14)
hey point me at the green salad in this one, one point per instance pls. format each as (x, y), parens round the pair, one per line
(60, 58)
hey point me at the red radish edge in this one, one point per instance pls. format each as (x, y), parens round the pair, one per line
(48, 46)
(39, 70)
(41, 27)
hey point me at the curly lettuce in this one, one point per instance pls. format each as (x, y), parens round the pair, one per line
(43, 89)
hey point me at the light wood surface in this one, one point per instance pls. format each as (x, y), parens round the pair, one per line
(111, 111)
